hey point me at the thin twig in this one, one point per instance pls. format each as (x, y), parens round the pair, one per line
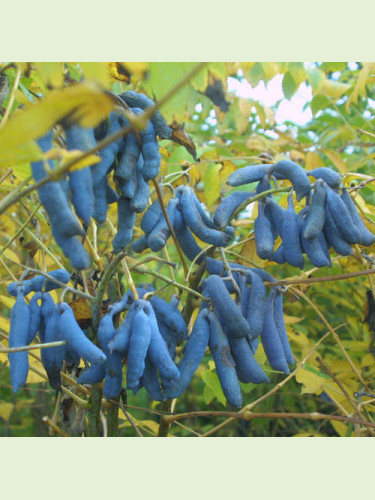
(55, 427)
(58, 343)
(19, 231)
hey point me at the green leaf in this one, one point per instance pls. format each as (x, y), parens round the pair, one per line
(332, 66)
(256, 74)
(316, 78)
(289, 85)
(213, 382)
(319, 102)
(179, 155)
(212, 184)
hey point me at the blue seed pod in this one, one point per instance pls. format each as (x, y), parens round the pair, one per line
(129, 158)
(224, 362)
(72, 333)
(334, 238)
(80, 181)
(142, 192)
(120, 342)
(151, 382)
(92, 375)
(134, 99)
(278, 316)
(256, 304)
(125, 225)
(278, 255)
(229, 205)
(342, 218)
(367, 237)
(290, 236)
(246, 175)
(36, 284)
(286, 169)
(193, 353)
(158, 350)
(273, 210)
(332, 178)
(18, 336)
(53, 357)
(263, 233)
(316, 215)
(100, 170)
(236, 325)
(270, 338)
(151, 217)
(53, 197)
(35, 316)
(195, 222)
(185, 238)
(170, 316)
(157, 238)
(247, 367)
(138, 346)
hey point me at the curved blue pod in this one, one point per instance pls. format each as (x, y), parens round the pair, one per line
(80, 181)
(193, 353)
(18, 336)
(36, 284)
(129, 157)
(100, 170)
(160, 233)
(246, 175)
(290, 170)
(313, 246)
(256, 304)
(278, 255)
(169, 315)
(121, 339)
(53, 357)
(139, 245)
(73, 334)
(247, 367)
(229, 205)
(185, 238)
(263, 233)
(328, 175)
(236, 324)
(150, 153)
(138, 346)
(334, 238)
(270, 338)
(290, 237)
(35, 316)
(224, 362)
(158, 350)
(195, 222)
(151, 217)
(151, 382)
(317, 213)
(52, 196)
(73, 249)
(263, 185)
(142, 191)
(92, 375)
(367, 237)
(111, 195)
(136, 100)
(276, 213)
(342, 218)
(125, 225)
(278, 316)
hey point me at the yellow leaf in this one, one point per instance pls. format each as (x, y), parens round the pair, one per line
(333, 88)
(311, 382)
(339, 427)
(256, 143)
(97, 71)
(68, 156)
(136, 69)
(367, 360)
(249, 252)
(51, 73)
(7, 301)
(290, 320)
(313, 160)
(4, 324)
(336, 160)
(360, 87)
(86, 104)
(6, 410)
